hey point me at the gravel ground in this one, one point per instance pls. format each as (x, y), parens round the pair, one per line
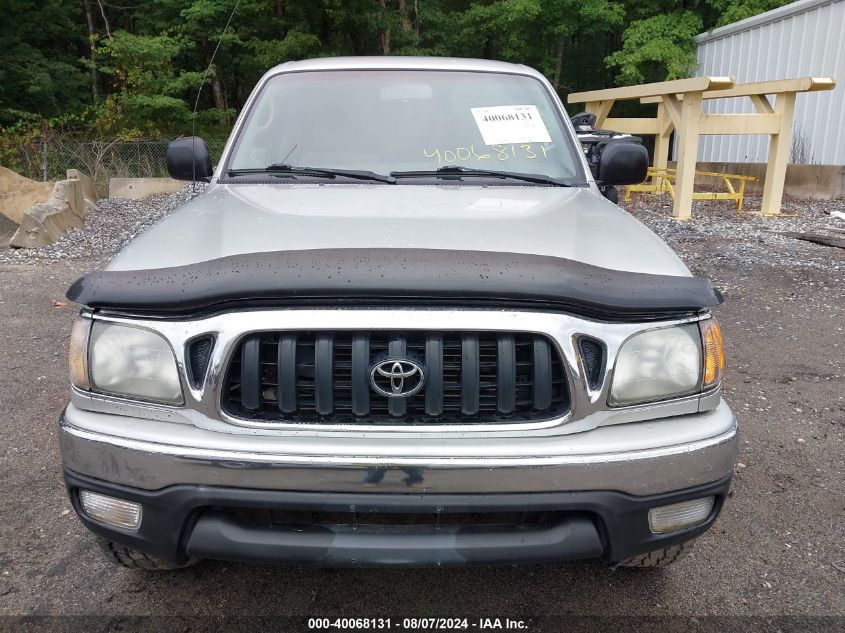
(106, 230)
(745, 239)
(777, 550)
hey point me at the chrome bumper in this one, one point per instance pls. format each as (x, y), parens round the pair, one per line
(640, 458)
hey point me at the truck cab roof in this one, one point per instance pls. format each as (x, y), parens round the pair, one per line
(403, 63)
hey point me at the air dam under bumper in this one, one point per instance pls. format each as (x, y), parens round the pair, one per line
(204, 522)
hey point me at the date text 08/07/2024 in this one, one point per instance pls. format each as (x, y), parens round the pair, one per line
(414, 624)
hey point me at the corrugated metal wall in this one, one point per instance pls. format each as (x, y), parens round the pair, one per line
(806, 38)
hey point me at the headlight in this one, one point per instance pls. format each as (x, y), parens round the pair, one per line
(657, 365)
(129, 361)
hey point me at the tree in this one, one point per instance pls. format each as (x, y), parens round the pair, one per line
(730, 11)
(147, 90)
(130, 68)
(657, 43)
(657, 48)
(40, 75)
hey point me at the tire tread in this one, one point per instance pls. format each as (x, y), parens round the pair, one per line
(134, 559)
(659, 557)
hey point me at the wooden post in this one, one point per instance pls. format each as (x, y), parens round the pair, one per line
(661, 140)
(601, 109)
(779, 146)
(679, 105)
(688, 131)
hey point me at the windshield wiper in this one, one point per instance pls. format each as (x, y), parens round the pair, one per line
(458, 171)
(283, 169)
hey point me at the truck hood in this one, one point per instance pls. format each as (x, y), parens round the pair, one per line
(571, 223)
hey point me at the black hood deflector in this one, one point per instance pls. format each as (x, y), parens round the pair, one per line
(308, 277)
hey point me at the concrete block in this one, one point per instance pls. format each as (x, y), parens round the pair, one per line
(7, 230)
(137, 188)
(825, 182)
(820, 182)
(89, 189)
(45, 222)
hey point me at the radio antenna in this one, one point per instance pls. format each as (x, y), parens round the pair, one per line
(199, 93)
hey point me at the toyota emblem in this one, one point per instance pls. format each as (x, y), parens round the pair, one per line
(397, 377)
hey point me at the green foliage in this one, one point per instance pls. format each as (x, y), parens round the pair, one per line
(131, 69)
(295, 45)
(147, 88)
(40, 75)
(735, 10)
(508, 27)
(17, 144)
(657, 48)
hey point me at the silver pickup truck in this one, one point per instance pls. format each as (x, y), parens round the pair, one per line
(401, 326)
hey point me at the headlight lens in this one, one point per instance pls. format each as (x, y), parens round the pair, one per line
(129, 361)
(656, 365)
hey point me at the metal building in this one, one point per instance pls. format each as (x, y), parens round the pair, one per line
(805, 38)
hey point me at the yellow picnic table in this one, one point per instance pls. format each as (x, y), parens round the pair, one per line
(663, 181)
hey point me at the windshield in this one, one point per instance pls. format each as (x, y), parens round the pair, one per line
(400, 121)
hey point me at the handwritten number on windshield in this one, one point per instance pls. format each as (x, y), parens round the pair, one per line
(528, 151)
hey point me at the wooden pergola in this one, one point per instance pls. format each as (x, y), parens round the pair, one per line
(679, 107)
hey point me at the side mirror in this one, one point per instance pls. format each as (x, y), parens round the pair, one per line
(188, 159)
(585, 120)
(622, 163)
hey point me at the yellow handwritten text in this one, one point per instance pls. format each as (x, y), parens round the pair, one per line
(527, 151)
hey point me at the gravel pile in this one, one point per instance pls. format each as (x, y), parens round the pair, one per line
(106, 230)
(717, 236)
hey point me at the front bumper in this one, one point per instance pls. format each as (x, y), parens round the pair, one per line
(594, 498)
(643, 458)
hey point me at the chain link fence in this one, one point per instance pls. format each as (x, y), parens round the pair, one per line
(101, 159)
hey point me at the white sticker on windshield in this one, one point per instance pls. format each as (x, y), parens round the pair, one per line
(501, 125)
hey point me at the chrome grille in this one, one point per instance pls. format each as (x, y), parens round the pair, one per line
(324, 377)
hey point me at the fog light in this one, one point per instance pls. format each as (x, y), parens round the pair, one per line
(679, 515)
(117, 512)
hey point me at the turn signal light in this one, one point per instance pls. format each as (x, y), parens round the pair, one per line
(714, 352)
(78, 353)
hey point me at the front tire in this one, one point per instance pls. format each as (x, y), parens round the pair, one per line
(659, 557)
(611, 193)
(133, 559)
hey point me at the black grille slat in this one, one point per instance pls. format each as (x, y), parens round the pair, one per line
(251, 374)
(286, 371)
(469, 374)
(542, 374)
(398, 407)
(360, 374)
(434, 377)
(324, 377)
(506, 376)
